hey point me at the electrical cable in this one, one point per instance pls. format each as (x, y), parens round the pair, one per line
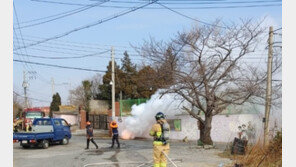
(63, 3)
(69, 14)
(30, 97)
(181, 2)
(205, 7)
(57, 46)
(200, 3)
(277, 29)
(29, 21)
(75, 44)
(21, 36)
(25, 66)
(188, 16)
(73, 57)
(58, 66)
(91, 24)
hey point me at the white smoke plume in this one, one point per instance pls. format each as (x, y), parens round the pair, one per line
(139, 124)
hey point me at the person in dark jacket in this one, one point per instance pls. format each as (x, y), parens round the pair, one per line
(114, 126)
(89, 135)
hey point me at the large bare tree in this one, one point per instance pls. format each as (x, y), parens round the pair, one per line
(205, 68)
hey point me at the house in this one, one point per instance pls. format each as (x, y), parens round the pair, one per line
(69, 113)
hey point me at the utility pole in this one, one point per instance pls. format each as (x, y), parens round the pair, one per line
(113, 85)
(52, 85)
(25, 85)
(120, 104)
(268, 87)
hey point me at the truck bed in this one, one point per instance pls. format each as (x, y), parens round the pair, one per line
(32, 136)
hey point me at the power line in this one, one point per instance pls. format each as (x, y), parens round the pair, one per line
(63, 3)
(75, 44)
(197, 2)
(14, 46)
(188, 16)
(91, 24)
(58, 66)
(29, 21)
(31, 98)
(204, 7)
(69, 14)
(73, 47)
(21, 35)
(181, 2)
(79, 4)
(277, 29)
(73, 57)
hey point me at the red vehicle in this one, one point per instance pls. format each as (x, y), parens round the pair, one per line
(28, 115)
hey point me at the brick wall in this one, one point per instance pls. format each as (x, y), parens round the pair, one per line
(82, 119)
(117, 110)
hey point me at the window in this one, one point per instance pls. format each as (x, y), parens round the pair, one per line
(33, 115)
(39, 122)
(57, 122)
(64, 123)
(175, 124)
(43, 122)
(47, 122)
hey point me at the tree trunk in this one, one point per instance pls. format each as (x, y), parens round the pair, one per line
(205, 130)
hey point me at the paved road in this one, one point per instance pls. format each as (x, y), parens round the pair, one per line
(74, 155)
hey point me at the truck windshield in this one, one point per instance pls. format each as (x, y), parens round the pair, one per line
(34, 115)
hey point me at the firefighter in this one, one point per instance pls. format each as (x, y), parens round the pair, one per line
(28, 125)
(114, 129)
(89, 135)
(160, 132)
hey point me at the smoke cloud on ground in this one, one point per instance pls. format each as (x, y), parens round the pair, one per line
(139, 124)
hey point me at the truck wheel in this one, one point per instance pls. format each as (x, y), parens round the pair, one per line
(45, 144)
(25, 146)
(65, 141)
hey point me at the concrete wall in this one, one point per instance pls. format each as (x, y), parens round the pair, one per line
(224, 128)
(98, 107)
(72, 119)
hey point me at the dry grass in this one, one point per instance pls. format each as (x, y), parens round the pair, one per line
(258, 156)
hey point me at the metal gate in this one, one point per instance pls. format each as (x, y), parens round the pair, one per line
(99, 121)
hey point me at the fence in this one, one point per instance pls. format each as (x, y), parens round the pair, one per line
(126, 105)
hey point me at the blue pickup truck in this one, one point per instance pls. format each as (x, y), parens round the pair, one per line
(44, 132)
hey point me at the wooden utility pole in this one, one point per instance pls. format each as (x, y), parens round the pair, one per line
(52, 86)
(268, 87)
(25, 85)
(113, 85)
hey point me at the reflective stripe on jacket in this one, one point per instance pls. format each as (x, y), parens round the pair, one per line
(156, 133)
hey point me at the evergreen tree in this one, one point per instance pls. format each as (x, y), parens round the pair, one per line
(105, 88)
(54, 105)
(129, 78)
(146, 82)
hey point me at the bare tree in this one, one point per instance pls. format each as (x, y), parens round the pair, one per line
(206, 69)
(77, 96)
(95, 82)
(17, 105)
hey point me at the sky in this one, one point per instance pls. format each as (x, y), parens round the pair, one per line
(122, 33)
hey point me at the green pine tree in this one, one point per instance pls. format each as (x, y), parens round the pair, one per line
(54, 105)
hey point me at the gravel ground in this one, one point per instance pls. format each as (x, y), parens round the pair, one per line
(140, 151)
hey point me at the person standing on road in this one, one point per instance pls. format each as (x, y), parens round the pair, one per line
(114, 126)
(160, 131)
(89, 135)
